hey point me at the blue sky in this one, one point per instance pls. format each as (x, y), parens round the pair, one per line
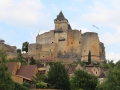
(22, 20)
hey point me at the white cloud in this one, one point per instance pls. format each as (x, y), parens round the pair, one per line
(102, 13)
(75, 26)
(85, 30)
(111, 38)
(22, 12)
(113, 56)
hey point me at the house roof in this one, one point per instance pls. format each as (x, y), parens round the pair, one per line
(70, 68)
(40, 65)
(11, 66)
(26, 71)
(60, 16)
(47, 59)
(102, 75)
(89, 70)
(69, 27)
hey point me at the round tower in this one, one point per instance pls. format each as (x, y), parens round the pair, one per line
(90, 42)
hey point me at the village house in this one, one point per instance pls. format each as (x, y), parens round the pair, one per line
(21, 73)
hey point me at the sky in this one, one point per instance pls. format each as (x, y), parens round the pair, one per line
(23, 20)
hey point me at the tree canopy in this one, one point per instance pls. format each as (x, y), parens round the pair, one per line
(25, 46)
(6, 82)
(58, 77)
(83, 80)
(112, 82)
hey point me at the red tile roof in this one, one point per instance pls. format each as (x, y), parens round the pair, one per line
(11, 66)
(26, 71)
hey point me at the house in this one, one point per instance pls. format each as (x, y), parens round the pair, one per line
(41, 68)
(100, 73)
(70, 69)
(21, 73)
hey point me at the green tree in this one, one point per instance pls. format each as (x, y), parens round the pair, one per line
(39, 78)
(112, 82)
(19, 87)
(58, 77)
(25, 46)
(32, 61)
(89, 57)
(83, 80)
(6, 82)
(18, 50)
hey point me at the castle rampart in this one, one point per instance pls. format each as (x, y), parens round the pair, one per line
(66, 45)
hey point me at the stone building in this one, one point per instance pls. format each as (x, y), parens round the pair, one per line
(66, 45)
(11, 51)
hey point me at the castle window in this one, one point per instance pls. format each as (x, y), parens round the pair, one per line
(43, 56)
(96, 72)
(79, 42)
(52, 42)
(84, 50)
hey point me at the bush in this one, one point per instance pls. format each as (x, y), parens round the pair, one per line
(20, 87)
(41, 85)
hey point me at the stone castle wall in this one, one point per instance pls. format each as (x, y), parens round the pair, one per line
(65, 44)
(10, 50)
(47, 37)
(90, 42)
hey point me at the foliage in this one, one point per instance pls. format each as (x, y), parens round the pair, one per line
(108, 64)
(83, 80)
(19, 87)
(26, 84)
(19, 51)
(32, 61)
(81, 63)
(58, 77)
(21, 59)
(6, 82)
(89, 57)
(25, 46)
(39, 77)
(12, 60)
(113, 78)
(41, 84)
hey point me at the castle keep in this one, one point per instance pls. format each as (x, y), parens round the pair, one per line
(67, 45)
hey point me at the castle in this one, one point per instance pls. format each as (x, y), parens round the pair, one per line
(10, 50)
(67, 45)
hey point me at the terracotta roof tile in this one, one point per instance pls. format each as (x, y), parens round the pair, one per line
(102, 75)
(11, 66)
(26, 71)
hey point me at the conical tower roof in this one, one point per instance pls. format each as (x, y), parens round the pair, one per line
(60, 16)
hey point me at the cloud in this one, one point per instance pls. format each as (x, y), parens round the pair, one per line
(22, 12)
(83, 29)
(111, 38)
(102, 13)
(113, 56)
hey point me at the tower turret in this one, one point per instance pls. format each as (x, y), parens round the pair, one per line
(61, 23)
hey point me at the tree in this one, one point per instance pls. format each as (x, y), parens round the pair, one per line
(83, 80)
(112, 82)
(6, 82)
(32, 61)
(39, 80)
(18, 51)
(19, 87)
(25, 46)
(58, 77)
(89, 57)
